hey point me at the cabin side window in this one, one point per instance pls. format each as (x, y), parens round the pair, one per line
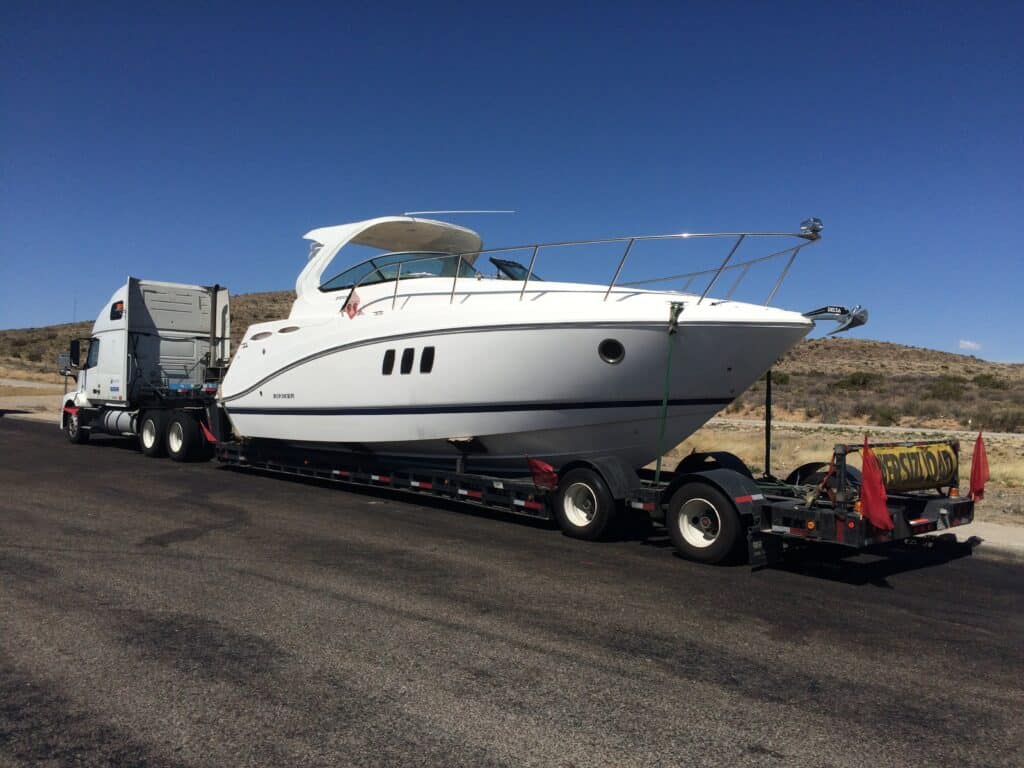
(389, 363)
(117, 310)
(427, 360)
(94, 353)
(407, 357)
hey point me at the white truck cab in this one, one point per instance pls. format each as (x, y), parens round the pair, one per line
(155, 354)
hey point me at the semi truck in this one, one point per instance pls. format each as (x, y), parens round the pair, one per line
(151, 367)
(158, 351)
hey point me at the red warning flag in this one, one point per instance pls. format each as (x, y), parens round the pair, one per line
(351, 305)
(979, 469)
(873, 501)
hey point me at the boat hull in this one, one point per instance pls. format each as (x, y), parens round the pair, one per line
(499, 393)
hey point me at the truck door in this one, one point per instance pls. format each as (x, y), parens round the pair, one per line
(108, 375)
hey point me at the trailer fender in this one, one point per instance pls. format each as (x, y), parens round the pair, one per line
(738, 487)
(620, 478)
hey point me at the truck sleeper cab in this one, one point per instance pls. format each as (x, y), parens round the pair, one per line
(154, 355)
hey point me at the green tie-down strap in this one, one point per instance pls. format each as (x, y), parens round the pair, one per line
(675, 309)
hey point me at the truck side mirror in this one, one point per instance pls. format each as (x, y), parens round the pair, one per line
(74, 352)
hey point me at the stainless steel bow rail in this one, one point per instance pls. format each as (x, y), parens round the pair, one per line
(809, 233)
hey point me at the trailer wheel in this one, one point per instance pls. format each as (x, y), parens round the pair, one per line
(182, 436)
(152, 429)
(73, 429)
(703, 524)
(584, 506)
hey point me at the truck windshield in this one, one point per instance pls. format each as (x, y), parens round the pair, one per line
(413, 264)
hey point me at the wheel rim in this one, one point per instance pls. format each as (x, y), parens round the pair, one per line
(699, 523)
(579, 504)
(73, 425)
(175, 437)
(148, 433)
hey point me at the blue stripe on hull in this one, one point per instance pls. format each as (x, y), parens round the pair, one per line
(396, 410)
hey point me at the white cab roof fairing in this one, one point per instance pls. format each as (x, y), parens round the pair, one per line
(388, 233)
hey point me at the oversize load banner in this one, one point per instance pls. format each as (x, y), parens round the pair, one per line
(918, 467)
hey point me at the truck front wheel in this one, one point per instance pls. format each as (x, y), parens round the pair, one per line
(182, 436)
(73, 429)
(152, 433)
(703, 524)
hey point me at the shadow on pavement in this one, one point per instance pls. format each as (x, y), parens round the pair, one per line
(874, 566)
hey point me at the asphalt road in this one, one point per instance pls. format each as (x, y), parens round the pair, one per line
(160, 614)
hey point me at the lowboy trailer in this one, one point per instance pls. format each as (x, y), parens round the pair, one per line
(712, 505)
(158, 351)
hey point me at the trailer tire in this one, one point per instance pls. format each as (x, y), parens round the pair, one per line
(703, 524)
(73, 429)
(584, 507)
(182, 436)
(152, 433)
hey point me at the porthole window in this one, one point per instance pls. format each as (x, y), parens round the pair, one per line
(407, 357)
(261, 336)
(611, 351)
(289, 329)
(427, 360)
(389, 362)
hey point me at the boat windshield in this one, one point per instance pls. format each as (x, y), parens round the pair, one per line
(412, 264)
(513, 270)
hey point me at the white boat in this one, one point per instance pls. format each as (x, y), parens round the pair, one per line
(414, 354)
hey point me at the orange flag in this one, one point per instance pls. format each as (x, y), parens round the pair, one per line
(979, 469)
(873, 501)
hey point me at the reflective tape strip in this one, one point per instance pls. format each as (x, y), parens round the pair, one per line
(418, 484)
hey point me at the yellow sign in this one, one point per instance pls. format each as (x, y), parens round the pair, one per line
(917, 467)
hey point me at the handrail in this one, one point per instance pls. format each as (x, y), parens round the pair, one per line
(809, 233)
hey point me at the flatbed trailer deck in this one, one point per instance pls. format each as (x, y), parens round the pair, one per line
(772, 514)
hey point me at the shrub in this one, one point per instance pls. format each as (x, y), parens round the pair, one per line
(857, 380)
(989, 381)
(1008, 420)
(946, 388)
(884, 415)
(779, 377)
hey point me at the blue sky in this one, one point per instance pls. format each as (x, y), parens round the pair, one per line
(198, 142)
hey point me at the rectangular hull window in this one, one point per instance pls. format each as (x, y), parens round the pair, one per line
(407, 356)
(427, 360)
(389, 362)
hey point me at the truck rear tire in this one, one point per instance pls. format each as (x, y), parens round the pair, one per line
(584, 507)
(73, 430)
(182, 436)
(703, 524)
(152, 433)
